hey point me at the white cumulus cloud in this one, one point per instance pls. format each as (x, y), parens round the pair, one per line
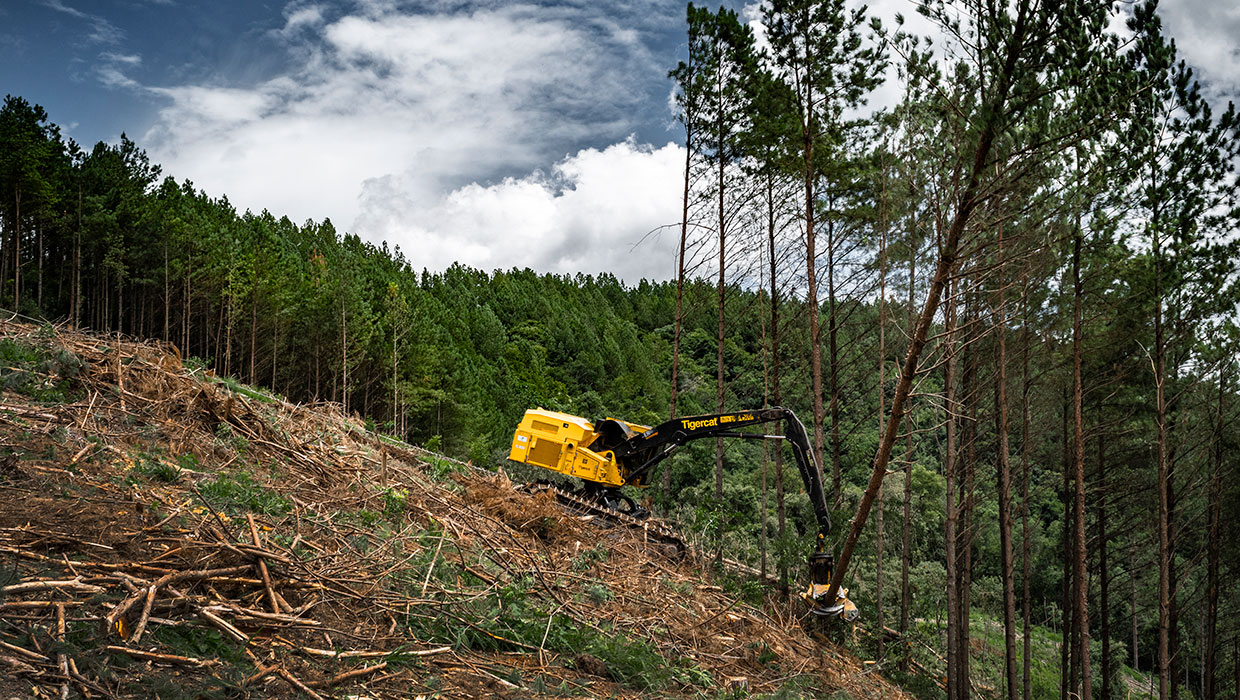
(407, 126)
(599, 210)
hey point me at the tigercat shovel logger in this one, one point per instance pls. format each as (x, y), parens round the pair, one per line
(612, 453)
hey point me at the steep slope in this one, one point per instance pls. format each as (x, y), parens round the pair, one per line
(164, 532)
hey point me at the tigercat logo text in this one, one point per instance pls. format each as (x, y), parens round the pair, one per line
(716, 421)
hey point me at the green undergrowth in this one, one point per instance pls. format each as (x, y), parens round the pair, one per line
(244, 389)
(515, 617)
(241, 492)
(926, 646)
(38, 369)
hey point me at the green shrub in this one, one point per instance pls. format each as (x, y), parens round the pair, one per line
(241, 492)
(599, 593)
(43, 373)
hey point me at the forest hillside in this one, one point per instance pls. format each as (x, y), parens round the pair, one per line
(1005, 305)
(172, 533)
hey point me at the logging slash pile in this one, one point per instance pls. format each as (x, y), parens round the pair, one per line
(168, 533)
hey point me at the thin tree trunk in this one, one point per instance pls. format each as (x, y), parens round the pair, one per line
(1078, 454)
(76, 312)
(1104, 574)
(775, 395)
(1164, 495)
(1067, 680)
(275, 349)
(38, 299)
(395, 385)
(766, 447)
(968, 433)
(833, 350)
(344, 358)
(906, 534)
(1132, 578)
(1213, 546)
(949, 477)
(253, 333)
(1024, 508)
(17, 248)
(1005, 490)
(811, 303)
(719, 335)
(1173, 577)
(228, 327)
(167, 293)
(219, 335)
(882, 366)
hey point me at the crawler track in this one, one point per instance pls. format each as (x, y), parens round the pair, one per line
(654, 530)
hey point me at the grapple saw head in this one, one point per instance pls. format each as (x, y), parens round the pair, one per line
(821, 568)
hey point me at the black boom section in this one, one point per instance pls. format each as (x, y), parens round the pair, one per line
(638, 454)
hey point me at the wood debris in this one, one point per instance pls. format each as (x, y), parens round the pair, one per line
(164, 528)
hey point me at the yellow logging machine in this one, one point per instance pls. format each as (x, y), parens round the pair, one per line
(612, 453)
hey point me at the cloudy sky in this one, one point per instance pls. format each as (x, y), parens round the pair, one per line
(493, 133)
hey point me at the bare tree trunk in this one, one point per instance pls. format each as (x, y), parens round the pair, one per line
(834, 356)
(906, 534)
(17, 248)
(766, 446)
(719, 344)
(275, 349)
(1132, 578)
(1177, 654)
(811, 303)
(1164, 496)
(1213, 546)
(949, 476)
(775, 369)
(219, 335)
(1005, 489)
(775, 395)
(38, 299)
(253, 332)
(228, 327)
(1068, 665)
(187, 307)
(344, 358)
(1078, 458)
(1024, 508)
(1104, 573)
(76, 312)
(167, 293)
(882, 366)
(968, 434)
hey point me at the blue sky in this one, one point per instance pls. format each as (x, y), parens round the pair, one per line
(494, 133)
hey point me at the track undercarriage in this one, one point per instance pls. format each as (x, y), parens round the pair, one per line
(605, 505)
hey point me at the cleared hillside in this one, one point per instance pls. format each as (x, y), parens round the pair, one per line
(166, 532)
